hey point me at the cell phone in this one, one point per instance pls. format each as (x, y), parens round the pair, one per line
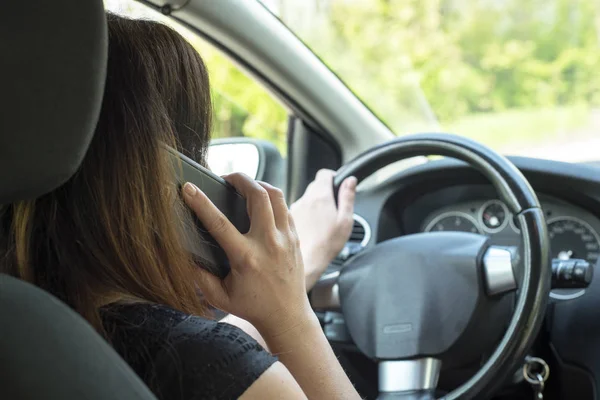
(207, 252)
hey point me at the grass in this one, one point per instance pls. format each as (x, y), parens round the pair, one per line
(523, 127)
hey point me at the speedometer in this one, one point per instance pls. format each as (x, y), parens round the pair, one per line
(573, 238)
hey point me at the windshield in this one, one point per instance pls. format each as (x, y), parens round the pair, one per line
(522, 76)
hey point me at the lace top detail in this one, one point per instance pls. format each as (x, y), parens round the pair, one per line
(183, 357)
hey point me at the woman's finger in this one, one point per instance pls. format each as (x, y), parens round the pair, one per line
(324, 182)
(324, 175)
(212, 289)
(346, 197)
(217, 224)
(257, 198)
(280, 208)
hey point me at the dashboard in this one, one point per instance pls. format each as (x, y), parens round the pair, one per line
(573, 231)
(449, 195)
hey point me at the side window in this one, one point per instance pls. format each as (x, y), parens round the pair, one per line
(241, 106)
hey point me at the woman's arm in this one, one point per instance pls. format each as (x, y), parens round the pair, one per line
(318, 220)
(322, 226)
(304, 351)
(266, 286)
(309, 357)
(275, 383)
(246, 327)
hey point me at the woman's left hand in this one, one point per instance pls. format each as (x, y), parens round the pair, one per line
(323, 228)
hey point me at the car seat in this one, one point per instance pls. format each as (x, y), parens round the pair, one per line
(52, 71)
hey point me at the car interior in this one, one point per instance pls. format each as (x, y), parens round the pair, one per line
(47, 350)
(469, 275)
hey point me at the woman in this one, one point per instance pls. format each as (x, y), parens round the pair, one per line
(109, 242)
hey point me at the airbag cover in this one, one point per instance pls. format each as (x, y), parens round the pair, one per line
(414, 295)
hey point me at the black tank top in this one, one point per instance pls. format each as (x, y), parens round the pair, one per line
(184, 357)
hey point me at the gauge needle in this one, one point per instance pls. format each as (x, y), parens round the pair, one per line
(565, 255)
(493, 220)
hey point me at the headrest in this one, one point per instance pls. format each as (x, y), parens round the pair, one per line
(52, 71)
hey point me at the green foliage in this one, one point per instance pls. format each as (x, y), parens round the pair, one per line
(503, 72)
(519, 128)
(241, 106)
(468, 57)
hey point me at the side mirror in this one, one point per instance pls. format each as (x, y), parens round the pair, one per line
(256, 158)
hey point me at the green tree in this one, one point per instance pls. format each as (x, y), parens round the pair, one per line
(467, 56)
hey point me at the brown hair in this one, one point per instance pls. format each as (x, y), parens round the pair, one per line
(114, 229)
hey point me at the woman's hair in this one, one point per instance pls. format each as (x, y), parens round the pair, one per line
(114, 230)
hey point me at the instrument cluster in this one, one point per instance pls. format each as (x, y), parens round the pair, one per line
(573, 232)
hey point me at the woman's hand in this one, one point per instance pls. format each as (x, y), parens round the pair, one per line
(322, 227)
(266, 284)
(266, 287)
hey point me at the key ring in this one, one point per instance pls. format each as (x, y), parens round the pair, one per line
(538, 378)
(540, 382)
(539, 387)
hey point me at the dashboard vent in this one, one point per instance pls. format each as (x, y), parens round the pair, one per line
(360, 236)
(358, 232)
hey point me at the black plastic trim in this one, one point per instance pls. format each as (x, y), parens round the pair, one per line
(508, 180)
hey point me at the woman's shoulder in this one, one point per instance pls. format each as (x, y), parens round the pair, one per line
(190, 356)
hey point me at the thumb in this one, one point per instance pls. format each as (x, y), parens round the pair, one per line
(346, 197)
(212, 289)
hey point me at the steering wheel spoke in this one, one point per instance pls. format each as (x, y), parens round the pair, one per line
(408, 376)
(498, 273)
(325, 295)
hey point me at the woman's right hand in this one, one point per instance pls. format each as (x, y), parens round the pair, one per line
(266, 285)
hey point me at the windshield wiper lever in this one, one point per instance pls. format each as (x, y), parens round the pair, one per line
(571, 274)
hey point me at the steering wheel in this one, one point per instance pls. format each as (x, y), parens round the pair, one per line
(417, 301)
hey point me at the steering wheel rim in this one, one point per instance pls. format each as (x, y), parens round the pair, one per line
(520, 198)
